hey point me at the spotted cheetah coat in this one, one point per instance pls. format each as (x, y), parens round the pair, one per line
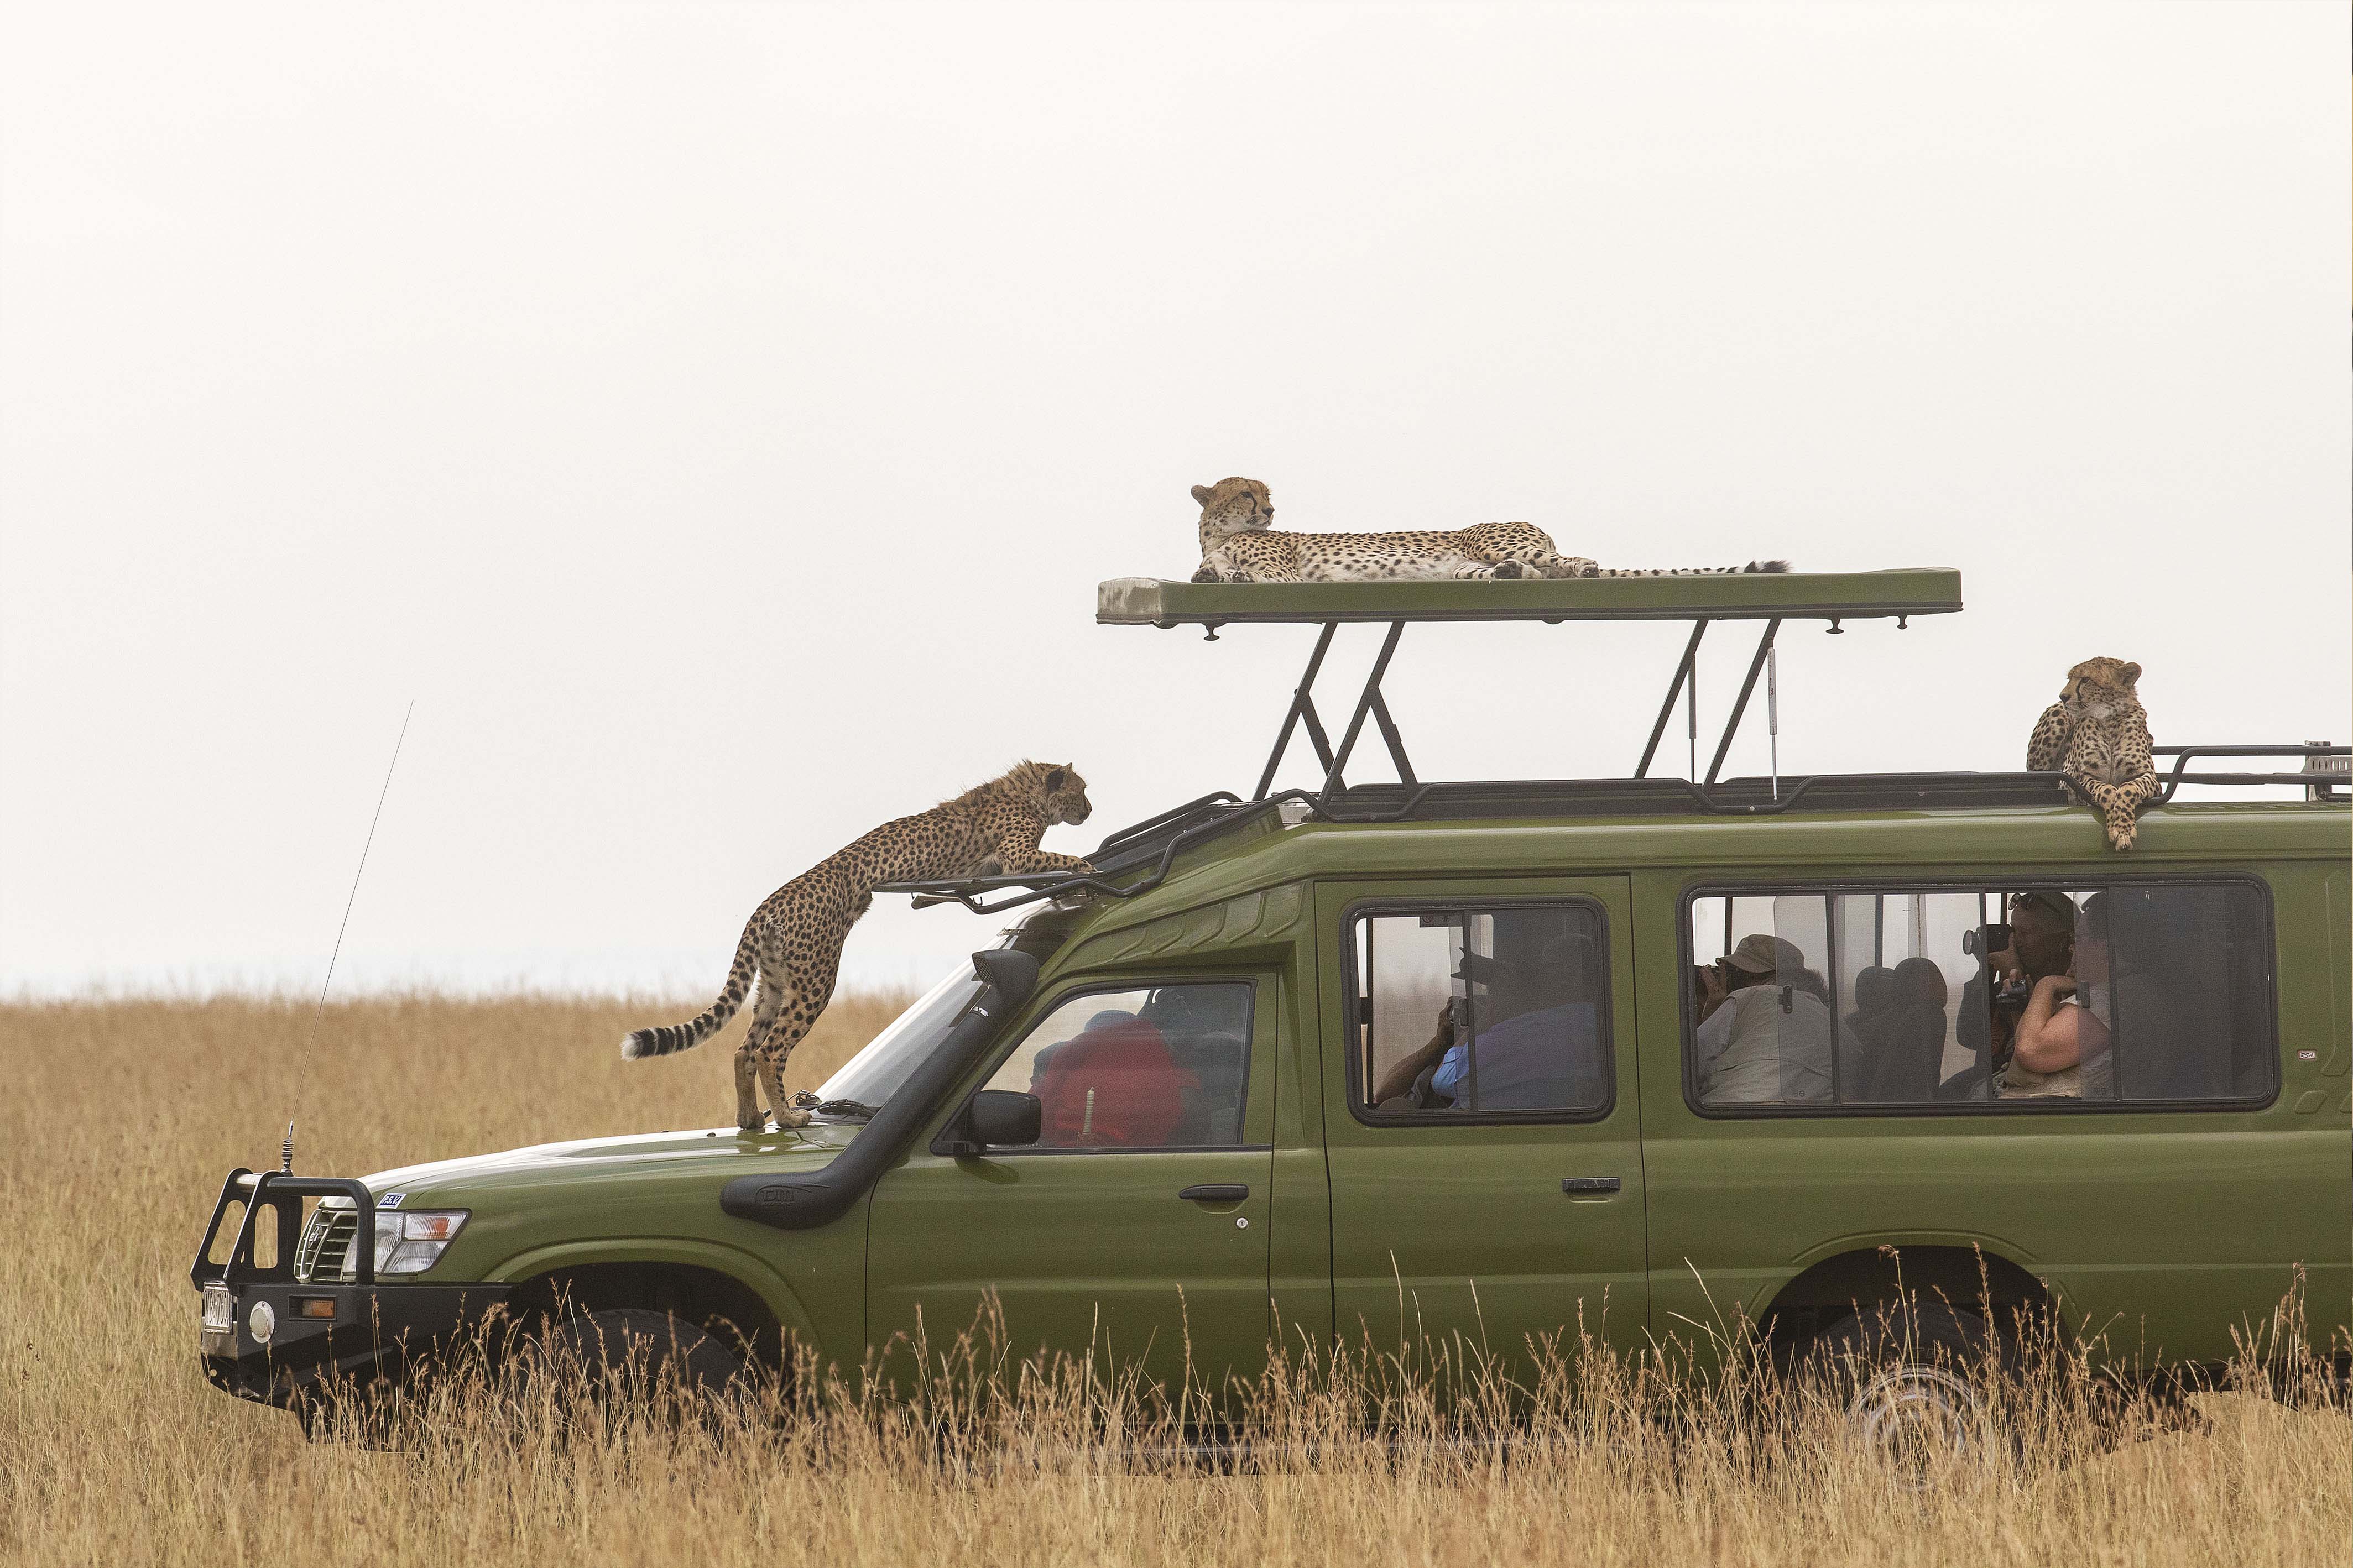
(2097, 734)
(793, 940)
(1238, 546)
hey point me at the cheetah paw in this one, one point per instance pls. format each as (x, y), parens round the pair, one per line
(789, 1118)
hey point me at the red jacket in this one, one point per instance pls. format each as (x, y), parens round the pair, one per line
(1138, 1089)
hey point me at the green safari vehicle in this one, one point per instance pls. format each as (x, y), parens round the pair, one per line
(1479, 1064)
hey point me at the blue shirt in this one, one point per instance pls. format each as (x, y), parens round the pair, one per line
(1547, 1058)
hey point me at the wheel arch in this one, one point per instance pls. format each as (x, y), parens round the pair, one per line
(716, 1287)
(1971, 1273)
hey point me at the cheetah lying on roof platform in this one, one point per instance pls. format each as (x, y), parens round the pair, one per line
(1238, 546)
(793, 940)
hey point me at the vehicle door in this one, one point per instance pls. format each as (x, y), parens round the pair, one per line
(1135, 1230)
(1481, 1118)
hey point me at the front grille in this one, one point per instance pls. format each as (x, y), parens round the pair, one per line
(325, 1253)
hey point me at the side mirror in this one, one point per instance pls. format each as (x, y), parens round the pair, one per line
(1003, 1118)
(1012, 975)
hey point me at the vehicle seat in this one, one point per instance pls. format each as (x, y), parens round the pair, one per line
(1910, 1059)
(1219, 1064)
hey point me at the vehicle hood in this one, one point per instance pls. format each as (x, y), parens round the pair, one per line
(640, 1160)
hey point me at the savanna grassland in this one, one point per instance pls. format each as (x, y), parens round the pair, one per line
(119, 1119)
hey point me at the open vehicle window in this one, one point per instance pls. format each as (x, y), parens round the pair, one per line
(1480, 1011)
(1158, 1067)
(1926, 998)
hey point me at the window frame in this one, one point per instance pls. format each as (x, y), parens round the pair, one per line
(1355, 1089)
(998, 1058)
(2044, 1105)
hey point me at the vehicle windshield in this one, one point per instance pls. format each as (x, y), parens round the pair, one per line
(867, 1081)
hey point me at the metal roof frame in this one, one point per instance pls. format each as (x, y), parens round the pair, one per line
(1772, 597)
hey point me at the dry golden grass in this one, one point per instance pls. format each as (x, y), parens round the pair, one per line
(120, 1119)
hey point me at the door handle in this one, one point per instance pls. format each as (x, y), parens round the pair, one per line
(1216, 1192)
(1579, 1187)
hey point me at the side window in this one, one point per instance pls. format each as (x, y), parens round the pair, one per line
(1987, 997)
(1468, 1012)
(1156, 1067)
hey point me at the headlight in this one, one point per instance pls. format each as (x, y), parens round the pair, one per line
(411, 1242)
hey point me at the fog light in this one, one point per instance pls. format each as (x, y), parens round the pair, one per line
(220, 1310)
(262, 1321)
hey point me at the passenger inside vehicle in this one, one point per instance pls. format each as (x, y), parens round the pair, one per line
(1764, 1026)
(1102, 1020)
(2041, 940)
(2061, 1045)
(1528, 1045)
(1116, 1085)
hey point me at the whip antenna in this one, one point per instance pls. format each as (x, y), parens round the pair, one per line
(320, 1016)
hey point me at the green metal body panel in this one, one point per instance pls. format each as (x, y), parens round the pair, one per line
(1083, 1251)
(1792, 595)
(653, 1199)
(1455, 1238)
(2160, 1229)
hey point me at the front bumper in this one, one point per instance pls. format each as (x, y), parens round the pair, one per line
(324, 1332)
(377, 1332)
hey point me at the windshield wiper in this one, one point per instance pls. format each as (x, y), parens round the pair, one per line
(848, 1109)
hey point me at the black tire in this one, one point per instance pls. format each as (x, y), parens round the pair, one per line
(1912, 1380)
(636, 1354)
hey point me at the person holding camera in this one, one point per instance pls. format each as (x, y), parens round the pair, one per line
(2064, 1035)
(1532, 1047)
(1764, 1026)
(2038, 942)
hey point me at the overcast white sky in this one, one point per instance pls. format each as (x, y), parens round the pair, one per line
(717, 420)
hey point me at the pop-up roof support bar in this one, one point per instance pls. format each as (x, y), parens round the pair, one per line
(1702, 600)
(1369, 704)
(1373, 705)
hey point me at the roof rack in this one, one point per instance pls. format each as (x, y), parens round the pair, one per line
(1152, 844)
(1151, 847)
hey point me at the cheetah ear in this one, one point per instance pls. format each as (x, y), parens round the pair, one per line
(1201, 493)
(2130, 673)
(1054, 777)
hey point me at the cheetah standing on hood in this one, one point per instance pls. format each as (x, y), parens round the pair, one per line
(793, 940)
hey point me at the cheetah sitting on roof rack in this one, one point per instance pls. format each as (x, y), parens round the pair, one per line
(1238, 546)
(793, 940)
(2097, 735)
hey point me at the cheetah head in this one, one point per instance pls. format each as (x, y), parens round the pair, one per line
(1231, 507)
(1057, 791)
(2099, 677)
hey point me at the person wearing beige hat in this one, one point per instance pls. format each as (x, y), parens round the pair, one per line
(1765, 1028)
